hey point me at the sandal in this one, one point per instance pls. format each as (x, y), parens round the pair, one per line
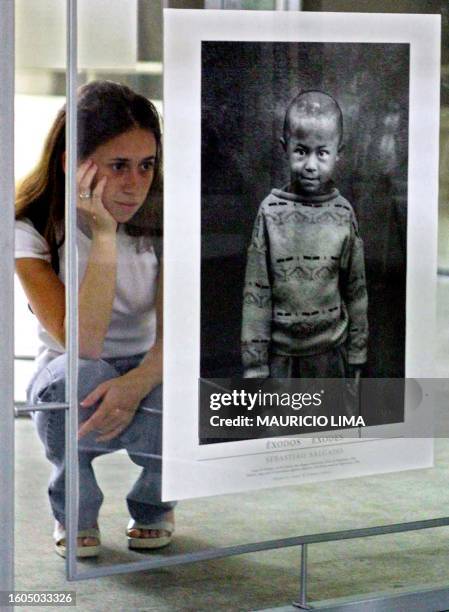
(136, 542)
(84, 551)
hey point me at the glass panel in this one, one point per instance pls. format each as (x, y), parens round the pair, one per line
(246, 517)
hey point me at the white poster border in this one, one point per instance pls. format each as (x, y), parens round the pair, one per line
(189, 469)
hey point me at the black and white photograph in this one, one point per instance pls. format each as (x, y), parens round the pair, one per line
(305, 148)
(304, 212)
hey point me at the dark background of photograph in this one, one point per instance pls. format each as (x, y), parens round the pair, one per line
(246, 87)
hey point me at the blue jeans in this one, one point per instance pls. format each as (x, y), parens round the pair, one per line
(142, 440)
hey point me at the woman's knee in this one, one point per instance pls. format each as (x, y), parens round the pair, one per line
(50, 384)
(93, 372)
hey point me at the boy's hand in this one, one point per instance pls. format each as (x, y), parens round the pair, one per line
(353, 380)
(355, 372)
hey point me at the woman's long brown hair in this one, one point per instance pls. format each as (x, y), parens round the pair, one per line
(105, 110)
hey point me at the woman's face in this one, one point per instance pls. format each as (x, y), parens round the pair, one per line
(127, 161)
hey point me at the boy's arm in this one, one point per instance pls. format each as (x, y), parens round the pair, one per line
(356, 298)
(257, 311)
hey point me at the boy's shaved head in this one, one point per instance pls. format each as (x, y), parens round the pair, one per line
(312, 141)
(313, 103)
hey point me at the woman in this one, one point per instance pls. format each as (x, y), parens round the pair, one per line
(120, 304)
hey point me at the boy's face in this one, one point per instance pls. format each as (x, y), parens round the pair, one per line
(312, 150)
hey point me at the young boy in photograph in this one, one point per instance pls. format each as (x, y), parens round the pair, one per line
(305, 299)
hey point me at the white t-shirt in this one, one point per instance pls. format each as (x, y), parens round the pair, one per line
(132, 329)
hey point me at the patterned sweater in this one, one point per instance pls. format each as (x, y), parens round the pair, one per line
(305, 289)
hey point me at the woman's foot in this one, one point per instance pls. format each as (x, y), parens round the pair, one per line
(88, 542)
(151, 535)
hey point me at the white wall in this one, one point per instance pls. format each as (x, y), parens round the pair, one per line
(107, 33)
(33, 118)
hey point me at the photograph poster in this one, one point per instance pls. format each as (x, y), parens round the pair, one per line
(301, 175)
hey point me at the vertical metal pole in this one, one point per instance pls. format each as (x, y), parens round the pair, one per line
(302, 600)
(7, 297)
(71, 293)
(7, 293)
(303, 591)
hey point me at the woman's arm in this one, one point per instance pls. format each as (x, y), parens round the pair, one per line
(148, 374)
(96, 296)
(121, 396)
(46, 292)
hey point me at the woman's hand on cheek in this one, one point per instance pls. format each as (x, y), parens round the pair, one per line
(90, 200)
(103, 221)
(115, 412)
